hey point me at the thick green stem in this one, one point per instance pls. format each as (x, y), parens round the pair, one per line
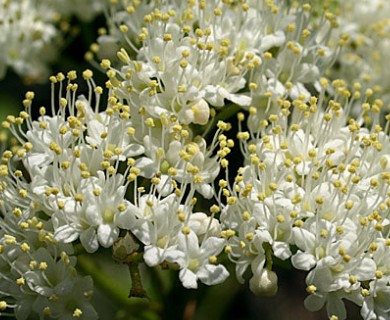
(137, 290)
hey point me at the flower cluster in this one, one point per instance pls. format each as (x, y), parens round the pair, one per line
(31, 33)
(314, 189)
(200, 55)
(142, 165)
(368, 26)
(38, 275)
(83, 163)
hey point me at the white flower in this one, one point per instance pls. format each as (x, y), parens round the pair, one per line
(95, 214)
(192, 161)
(157, 226)
(246, 247)
(112, 132)
(195, 260)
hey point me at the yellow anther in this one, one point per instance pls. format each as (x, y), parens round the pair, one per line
(246, 216)
(186, 230)
(20, 281)
(43, 266)
(298, 223)
(311, 289)
(217, 12)
(249, 236)
(8, 239)
(25, 247)
(167, 37)
(78, 197)
(77, 313)
(3, 305)
(267, 55)
(88, 74)
(106, 64)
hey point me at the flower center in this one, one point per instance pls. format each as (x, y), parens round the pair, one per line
(161, 243)
(193, 264)
(108, 216)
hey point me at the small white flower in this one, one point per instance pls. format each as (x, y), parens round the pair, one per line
(97, 217)
(157, 226)
(194, 260)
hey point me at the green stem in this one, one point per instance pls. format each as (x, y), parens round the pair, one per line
(137, 290)
(227, 112)
(101, 280)
(268, 255)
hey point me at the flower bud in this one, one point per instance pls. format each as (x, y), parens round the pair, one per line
(201, 112)
(200, 223)
(264, 284)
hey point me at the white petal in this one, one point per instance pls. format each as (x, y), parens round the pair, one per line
(153, 256)
(201, 112)
(240, 99)
(303, 261)
(304, 239)
(95, 129)
(66, 233)
(188, 279)
(176, 256)
(147, 166)
(89, 240)
(205, 190)
(213, 96)
(335, 306)
(134, 150)
(211, 274)
(37, 160)
(124, 220)
(189, 244)
(107, 234)
(186, 116)
(94, 215)
(281, 250)
(272, 40)
(165, 186)
(366, 269)
(143, 230)
(322, 278)
(315, 302)
(212, 246)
